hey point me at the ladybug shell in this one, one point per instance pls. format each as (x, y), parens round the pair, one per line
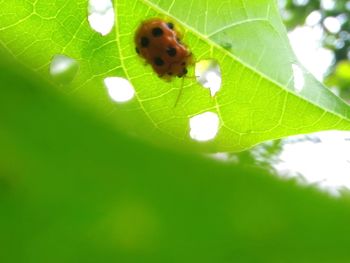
(159, 44)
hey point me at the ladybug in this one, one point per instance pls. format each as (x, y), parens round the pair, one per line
(158, 42)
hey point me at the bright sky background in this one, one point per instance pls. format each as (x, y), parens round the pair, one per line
(322, 158)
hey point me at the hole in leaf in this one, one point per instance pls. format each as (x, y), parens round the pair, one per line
(298, 75)
(208, 74)
(63, 69)
(204, 127)
(119, 89)
(101, 16)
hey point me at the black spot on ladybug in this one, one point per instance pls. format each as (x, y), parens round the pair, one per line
(137, 50)
(157, 32)
(170, 25)
(171, 51)
(158, 61)
(183, 64)
(144, 41)
(170, 73)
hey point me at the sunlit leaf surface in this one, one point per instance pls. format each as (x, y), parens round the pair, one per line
(265, 93)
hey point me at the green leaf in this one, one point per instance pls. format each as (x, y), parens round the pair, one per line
(74, 190)
(259, 99)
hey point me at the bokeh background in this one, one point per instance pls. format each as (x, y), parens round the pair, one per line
(319, 33)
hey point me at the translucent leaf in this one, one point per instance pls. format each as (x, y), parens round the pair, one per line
(265, 93)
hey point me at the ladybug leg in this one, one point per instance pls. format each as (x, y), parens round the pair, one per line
(180, 92)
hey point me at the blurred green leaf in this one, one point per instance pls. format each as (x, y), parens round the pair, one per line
(258, 100)
(74, 190)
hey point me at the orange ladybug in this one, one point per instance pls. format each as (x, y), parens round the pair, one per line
(159, 43)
